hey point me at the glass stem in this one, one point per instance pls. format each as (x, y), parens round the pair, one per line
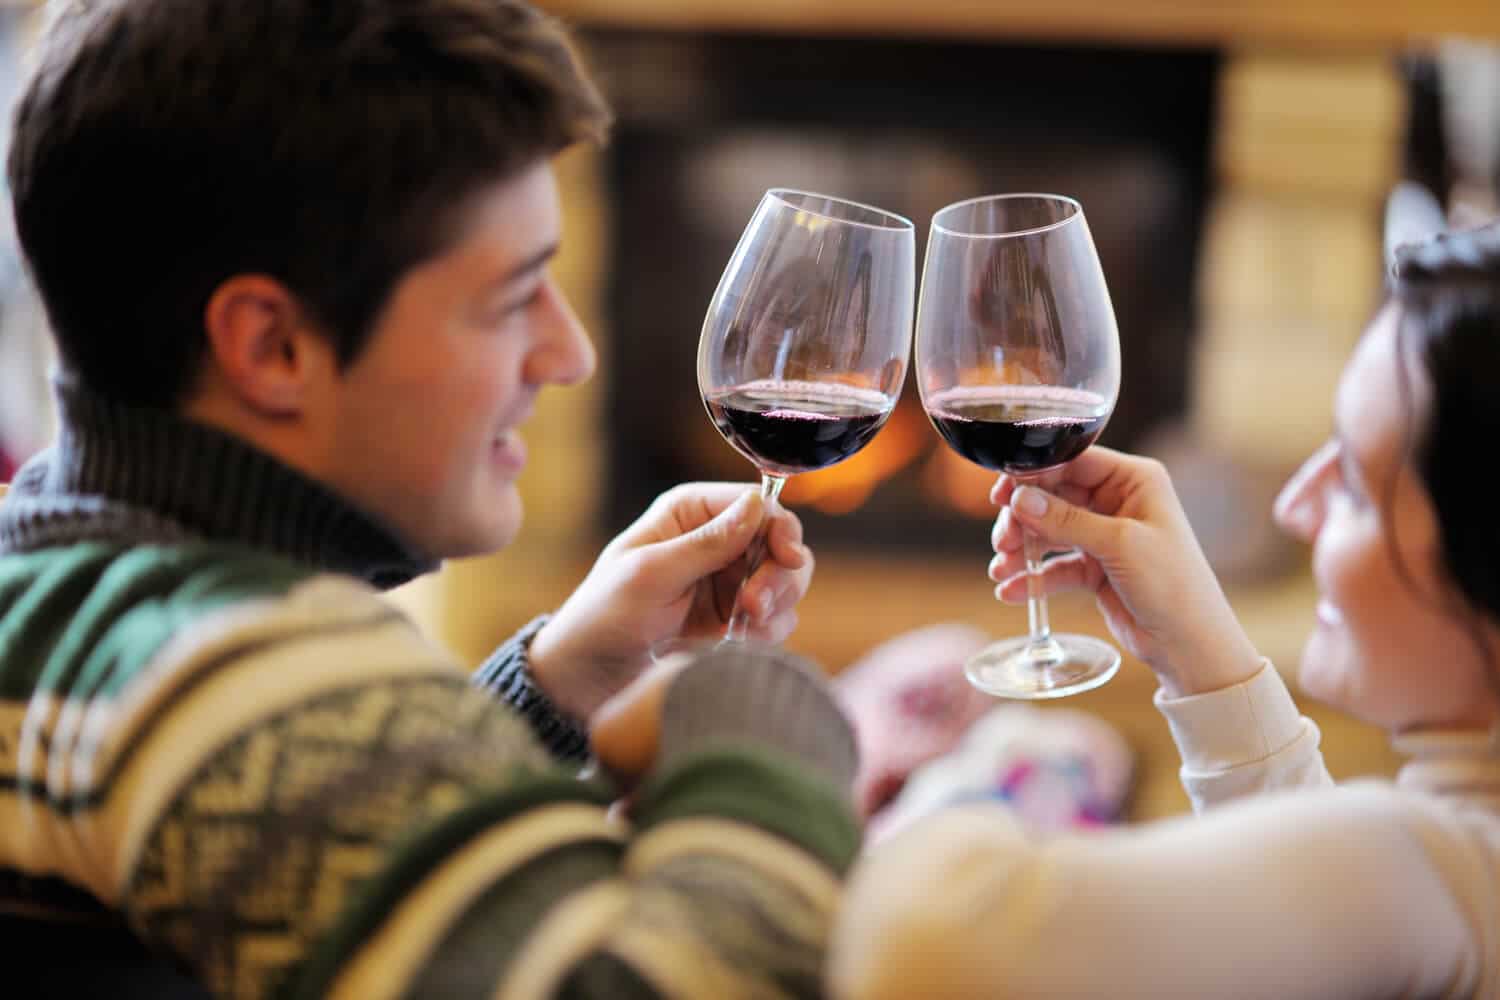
(1044, 649)
(739, 618)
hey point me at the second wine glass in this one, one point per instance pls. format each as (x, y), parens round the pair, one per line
(1018, 363)
(805, 345)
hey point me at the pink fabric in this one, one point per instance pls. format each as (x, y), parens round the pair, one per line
(909, 703)
(1058, 769)
(928, 739)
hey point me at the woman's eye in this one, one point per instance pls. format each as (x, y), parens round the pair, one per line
(513, 307)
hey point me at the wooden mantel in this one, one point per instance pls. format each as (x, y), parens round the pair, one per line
(1383, 24)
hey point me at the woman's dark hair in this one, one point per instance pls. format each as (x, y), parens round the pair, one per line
(1448, 292)
(163, 146)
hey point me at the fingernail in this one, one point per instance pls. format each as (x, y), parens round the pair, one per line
(1030, 500)
(742, 508)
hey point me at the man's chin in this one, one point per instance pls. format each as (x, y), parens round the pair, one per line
(494, 524)
(484, 533)
(482, 541)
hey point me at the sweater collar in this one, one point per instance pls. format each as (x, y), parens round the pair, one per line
(141, 475)
(1452, 762)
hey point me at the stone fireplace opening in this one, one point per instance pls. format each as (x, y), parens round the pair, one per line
(708, 123)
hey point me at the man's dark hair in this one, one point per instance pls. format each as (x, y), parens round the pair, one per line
(163, 146)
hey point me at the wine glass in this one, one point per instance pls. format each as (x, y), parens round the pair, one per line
(806, 341)
(1018, 365)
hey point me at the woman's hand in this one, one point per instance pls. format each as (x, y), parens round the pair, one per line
(1137, 554)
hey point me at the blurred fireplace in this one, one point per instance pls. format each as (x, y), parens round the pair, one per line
(706, 124)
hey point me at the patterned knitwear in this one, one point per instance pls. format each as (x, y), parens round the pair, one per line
(219, 743)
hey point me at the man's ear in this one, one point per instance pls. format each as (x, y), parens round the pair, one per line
(260, 341)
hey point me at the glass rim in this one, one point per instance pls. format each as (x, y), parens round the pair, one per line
(1010, 233)
(900, 222)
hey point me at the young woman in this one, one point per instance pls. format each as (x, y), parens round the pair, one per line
(1285, 885)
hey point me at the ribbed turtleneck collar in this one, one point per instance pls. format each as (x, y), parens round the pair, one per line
(144, 475)
(1462, 763)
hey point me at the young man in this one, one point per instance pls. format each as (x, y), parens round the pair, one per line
(295, 258)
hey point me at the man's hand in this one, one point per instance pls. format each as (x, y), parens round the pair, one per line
(673, 574)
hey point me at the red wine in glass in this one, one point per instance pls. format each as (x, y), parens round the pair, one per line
(805, 342)
(1019, 429)
(1018, 363)
(787, 427)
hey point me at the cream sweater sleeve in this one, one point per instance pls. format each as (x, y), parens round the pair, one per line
(1364, 891)
(1243, 740)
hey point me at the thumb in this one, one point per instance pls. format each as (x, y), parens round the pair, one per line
(715, 543)
(1057, 522)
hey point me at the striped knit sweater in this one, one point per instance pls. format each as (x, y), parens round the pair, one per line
(216, 739)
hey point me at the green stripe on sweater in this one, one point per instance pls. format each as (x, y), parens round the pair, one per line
(763, 788)
(422, 853)
(83, 620)
(476, 952)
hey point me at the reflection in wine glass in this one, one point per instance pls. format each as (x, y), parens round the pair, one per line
(1018, 363)
(806, 341)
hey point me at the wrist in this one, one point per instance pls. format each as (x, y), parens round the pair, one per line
(549, 664)
(508, 676)
(1216, 666)
(561, 673)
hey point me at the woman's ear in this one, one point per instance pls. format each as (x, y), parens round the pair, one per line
(264, 350)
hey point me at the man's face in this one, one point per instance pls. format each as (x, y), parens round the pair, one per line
(424, 426)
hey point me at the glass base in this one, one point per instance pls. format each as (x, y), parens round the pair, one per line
(1055, 668)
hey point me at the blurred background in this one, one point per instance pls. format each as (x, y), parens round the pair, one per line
(1232, 157)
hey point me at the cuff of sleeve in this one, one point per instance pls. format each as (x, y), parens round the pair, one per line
(1241, 724)
(507, 676)
(758, 696)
